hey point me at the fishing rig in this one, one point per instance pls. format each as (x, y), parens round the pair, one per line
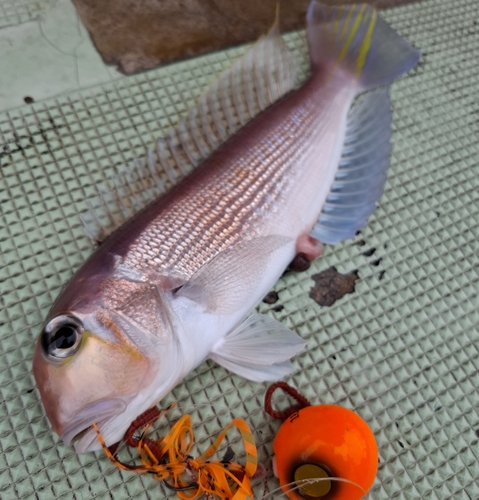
(323, 452)
(169, 459)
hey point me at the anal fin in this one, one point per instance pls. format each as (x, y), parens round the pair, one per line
(362, 170)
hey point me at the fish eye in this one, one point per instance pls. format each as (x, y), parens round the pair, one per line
(62, 336)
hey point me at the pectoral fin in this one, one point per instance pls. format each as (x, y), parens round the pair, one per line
(224, 284)
(259, 349)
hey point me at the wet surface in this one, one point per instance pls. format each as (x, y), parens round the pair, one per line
(136, 39)
(330, 285)
(161, 31)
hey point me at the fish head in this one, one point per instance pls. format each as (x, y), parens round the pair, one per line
(88, 371)
(107, 352)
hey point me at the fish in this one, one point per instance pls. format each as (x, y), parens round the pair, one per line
(177, 283)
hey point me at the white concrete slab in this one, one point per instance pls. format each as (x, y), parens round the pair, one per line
(48, 57)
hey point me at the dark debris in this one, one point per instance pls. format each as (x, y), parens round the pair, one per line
(369, 252)
(330, 285)
(271, 298)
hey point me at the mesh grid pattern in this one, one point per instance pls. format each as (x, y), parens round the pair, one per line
(13, 12)
(402, 350)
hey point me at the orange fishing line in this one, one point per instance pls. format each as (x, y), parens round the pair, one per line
(168, 459)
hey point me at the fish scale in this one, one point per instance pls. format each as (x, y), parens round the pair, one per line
(222, 202)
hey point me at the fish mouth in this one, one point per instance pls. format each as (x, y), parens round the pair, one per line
(81, 431)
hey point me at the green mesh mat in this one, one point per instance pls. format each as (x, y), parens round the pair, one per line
(402, 351)
(13, 12)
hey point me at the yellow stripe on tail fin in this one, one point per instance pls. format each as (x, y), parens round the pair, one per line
(356, 38)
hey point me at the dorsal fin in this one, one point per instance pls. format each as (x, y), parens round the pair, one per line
(362, 170)
(264, 74)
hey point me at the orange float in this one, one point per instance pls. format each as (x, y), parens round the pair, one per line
(325, 452)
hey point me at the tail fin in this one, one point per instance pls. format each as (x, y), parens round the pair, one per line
(354, 36)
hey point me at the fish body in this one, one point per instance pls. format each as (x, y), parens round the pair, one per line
(173, 285)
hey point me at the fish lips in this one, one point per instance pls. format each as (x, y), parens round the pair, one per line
(99, 413)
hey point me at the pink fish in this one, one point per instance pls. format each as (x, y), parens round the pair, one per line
(177, 283)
